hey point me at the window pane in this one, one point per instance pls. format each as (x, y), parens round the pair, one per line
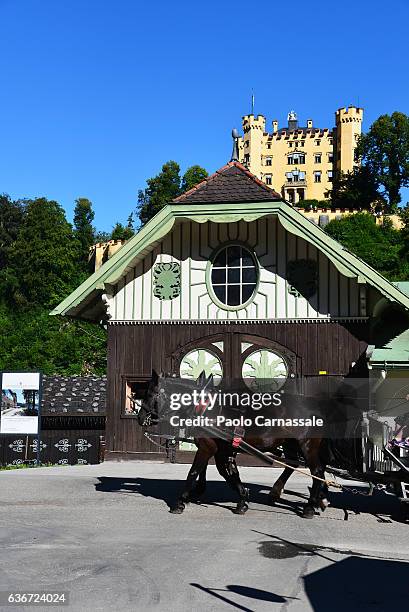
(219, 276)
(220, 259)
(247, 259)
(233, 256)
(249, 275)
(220, 292)
(247, 292)
(233, 295)
(233, 275)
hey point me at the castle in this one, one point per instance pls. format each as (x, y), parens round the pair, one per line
(300, 162)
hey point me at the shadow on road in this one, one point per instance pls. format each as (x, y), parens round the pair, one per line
(384, 507)
(169, 491)
(244, 591)
(359, 583)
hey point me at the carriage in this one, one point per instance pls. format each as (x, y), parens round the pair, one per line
(375, 459)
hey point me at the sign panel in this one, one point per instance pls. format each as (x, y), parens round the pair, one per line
(20, 403)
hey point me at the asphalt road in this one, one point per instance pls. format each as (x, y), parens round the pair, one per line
(104, 534)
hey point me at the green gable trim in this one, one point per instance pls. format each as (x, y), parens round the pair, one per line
(395, 352)
(151, 234)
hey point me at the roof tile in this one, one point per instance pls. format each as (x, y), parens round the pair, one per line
(232, 183)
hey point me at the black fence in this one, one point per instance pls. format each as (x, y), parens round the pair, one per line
(63, 447)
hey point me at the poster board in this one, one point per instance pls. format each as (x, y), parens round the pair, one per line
(20, 402)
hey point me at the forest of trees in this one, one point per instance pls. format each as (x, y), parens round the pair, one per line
(43, 257)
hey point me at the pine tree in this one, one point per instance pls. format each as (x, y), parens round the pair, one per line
(44, 258)
(83, 228)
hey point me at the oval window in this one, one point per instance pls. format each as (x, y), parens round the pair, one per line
(234, 275)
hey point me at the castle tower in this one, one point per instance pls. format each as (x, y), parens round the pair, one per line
(252, 143)
(348, 122)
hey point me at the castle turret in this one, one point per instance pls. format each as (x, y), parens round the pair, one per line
(348, 123)
(253, 128)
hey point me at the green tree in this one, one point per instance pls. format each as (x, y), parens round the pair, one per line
(11, 218)
(384, 150)
(357, 189)
(193, 176)
(44, 257)
(32, 340)
(404, 217)
(310, 204)
(83, 229)
(121, 232)
(161, 190)
(378, 245)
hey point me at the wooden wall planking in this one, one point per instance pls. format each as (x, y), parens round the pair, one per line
(134, 350)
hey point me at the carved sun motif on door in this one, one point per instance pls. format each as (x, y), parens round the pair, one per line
(201, 360)
(264, 370)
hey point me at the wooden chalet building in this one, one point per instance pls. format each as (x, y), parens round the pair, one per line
(227, 271)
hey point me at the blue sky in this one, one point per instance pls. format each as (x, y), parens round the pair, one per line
(97, 94)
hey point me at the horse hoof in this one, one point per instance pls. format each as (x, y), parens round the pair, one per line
(308, 512)
(241, 509)
(177, 509)
(273, 497)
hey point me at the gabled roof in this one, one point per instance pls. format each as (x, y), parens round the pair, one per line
(86, 300)
(232, 183)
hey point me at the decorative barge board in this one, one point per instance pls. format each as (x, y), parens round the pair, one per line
(226, 274)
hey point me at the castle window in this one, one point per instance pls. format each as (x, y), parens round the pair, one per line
(268, 146)
(329, 173)
(317, 176)
(247, 158)
(330, 157)
(269, 161)
(290, 144)
(296, 158)
(295, 176)
(269, 179)
(234, 275)
(318, 142)
(317, 158)
(302, 143)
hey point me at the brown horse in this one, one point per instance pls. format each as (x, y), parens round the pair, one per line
(224, 457)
